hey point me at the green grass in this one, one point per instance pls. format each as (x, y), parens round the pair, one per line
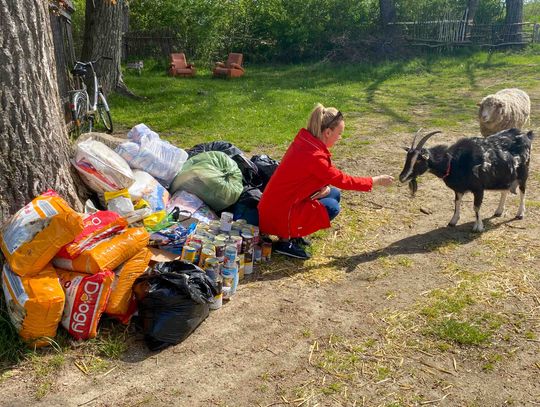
(463, 333)
(266, 107)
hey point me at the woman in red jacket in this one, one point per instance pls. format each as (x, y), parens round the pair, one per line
(301, 196)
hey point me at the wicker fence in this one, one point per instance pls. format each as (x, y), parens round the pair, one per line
(444, 33)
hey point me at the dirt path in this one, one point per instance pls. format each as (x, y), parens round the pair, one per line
(360, 323)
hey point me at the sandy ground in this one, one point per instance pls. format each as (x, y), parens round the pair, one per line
(275, 342)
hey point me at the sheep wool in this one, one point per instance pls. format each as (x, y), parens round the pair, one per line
(508, 108)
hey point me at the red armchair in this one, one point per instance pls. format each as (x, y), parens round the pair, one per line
(179, 66)
(232, 68)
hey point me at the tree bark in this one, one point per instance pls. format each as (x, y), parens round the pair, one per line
(514, 16)
(103, 32)
(34, 145)
(392, 32)
(472, 5)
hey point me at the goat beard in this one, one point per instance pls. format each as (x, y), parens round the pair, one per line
(413, 186)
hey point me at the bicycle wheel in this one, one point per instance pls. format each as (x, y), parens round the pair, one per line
(104, 113)
(83, 122)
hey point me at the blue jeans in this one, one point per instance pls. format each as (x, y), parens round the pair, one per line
(331, 202)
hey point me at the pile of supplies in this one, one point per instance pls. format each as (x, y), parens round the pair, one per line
(199, 206)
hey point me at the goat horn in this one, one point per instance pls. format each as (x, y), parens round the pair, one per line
(415, 136)
(426, 138)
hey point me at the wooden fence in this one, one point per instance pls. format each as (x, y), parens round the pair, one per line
(444, 33)
(144, 44)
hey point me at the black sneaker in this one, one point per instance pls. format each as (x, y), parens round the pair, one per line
(291, 249)
(302, 241)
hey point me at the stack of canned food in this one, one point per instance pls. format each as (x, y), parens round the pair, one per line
(226, 250)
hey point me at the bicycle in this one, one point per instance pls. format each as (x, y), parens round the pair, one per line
(84, 113)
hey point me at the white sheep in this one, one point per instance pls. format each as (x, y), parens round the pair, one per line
(505, 109)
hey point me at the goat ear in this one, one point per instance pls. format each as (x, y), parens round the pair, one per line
(424, 154)
(478, 104)
(406, 149)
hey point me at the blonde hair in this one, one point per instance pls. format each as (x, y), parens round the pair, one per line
(321, 117)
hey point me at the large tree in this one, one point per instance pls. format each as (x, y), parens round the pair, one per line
(513, 20)
(105, 23)
(34, 145)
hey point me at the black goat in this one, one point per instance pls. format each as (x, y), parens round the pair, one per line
(498, 162)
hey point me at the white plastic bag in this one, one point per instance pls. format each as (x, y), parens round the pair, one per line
(148, 188)
(101, 168)
(146, 151)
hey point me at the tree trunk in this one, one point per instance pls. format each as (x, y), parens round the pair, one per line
(514, 16)
(103, 31)
(472, 5)
(388, 17)
(34, 146)
(392, 32)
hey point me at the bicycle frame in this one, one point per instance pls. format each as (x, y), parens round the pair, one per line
(95, 105)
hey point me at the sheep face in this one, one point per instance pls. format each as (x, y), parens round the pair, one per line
(491, 109)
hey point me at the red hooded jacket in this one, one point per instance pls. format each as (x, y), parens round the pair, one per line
(286, 209)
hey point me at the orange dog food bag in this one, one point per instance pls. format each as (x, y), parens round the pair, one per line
(34, 304)
(37, 232)
(108, 254)
(125, 276)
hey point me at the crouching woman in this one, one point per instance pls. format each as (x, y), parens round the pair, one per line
(303, 194)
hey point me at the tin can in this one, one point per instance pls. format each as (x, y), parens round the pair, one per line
(230, 276)
(247, 242)
(198, 247)
(220, 250)
(266, 254)
(205, 254)
(229, 256)
(212, 268)
(214, 227)
(257, 253)
(226, 221)
(241, 222)
(234, 232)
(256, 234)
(189, 253)
(240, 265)
(248, 268)
(218, 301)
(238, 243)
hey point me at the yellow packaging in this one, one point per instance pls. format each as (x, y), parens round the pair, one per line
(125, 275)
(155, 219)
(35, 304)
(116, 194)
(108, 254)
(37, 232)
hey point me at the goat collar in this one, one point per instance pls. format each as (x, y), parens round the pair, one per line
(448, 167)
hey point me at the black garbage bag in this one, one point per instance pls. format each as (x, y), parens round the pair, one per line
(248, 169)
(173, 300)
(265, 169)
(246, 206)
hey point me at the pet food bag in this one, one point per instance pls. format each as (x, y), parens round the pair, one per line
(86, 299)
(101, 168)
(34, 304)
(34, 235)
(97, 226)
(125, 275)
(107, 254)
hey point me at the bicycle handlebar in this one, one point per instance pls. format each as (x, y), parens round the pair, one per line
(92, 62)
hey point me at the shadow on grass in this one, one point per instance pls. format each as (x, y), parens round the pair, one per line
(420, 243)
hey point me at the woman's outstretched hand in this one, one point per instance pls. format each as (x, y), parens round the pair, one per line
(383, 180)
